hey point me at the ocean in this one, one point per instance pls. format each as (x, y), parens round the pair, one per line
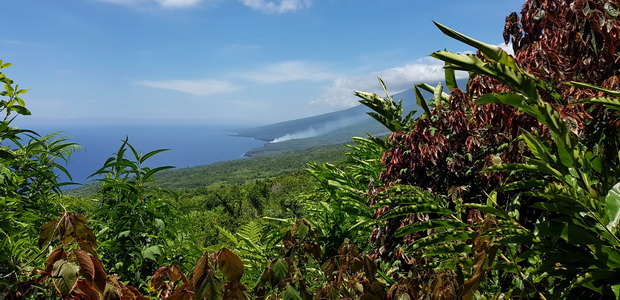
(190, 145)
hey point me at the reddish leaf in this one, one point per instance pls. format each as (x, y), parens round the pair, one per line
(87, 268)
(166, 273)
(55, 256)
(82, 232)
(182, 295)
(112, 289)
(100, 278)
(201, 270)
(87, 290)
(88, 247)
(46, 233)
(230, 265)
(234, 291)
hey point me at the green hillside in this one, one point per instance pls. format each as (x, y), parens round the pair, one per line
(239, 171)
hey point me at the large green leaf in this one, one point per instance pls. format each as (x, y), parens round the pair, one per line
(421, 101)
(64, 276)
(610, 256)
(491, 52)
(512, 99)
(612, 207)
(594, 87)
(571, 233)
(450, 79)
(611, 103)
(280, 270)
(531, 165)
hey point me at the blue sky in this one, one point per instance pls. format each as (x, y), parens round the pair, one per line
(226, 61)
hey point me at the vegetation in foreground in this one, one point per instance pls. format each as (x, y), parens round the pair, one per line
(509, 188)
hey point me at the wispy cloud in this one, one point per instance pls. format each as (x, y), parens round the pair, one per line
(162, 3)
(200, 87)
(278, 7)
(397, 79)
(287, 72)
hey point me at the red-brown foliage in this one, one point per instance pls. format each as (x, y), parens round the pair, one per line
(557, 41)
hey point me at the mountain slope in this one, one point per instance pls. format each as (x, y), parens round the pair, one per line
(326, 129)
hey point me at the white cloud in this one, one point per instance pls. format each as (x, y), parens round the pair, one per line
(200, 87)
(281, 6)
(162, 3)
(397, 79)
(287, 72)
(507, 48)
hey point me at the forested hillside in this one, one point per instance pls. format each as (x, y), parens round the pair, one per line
(507, 187)
(237, 171)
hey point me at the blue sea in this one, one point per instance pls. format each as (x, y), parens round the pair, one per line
(190, 145)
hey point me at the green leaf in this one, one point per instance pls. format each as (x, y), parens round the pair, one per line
(433, 90)
(610, 256)
(290, 293)
(64, 276)
(420, 101)
(531, 165)
(538, 148)
(523, 184)
(210, 287)
(280, 270)
(20, 110)
(568, 209)
(594, 87)
(512, 99)
(612, 207)
(611, 103)
(515, 78)
(437, 95)
(151, 252)
(415, 209)
(450, 79)
(431, 224)
(149, 174)
(491, 52)
(302, 230)
(159, 224)
(571, 233)
(444, 237)
(445, 249)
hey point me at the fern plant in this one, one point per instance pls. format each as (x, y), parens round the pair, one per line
(257, 242)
